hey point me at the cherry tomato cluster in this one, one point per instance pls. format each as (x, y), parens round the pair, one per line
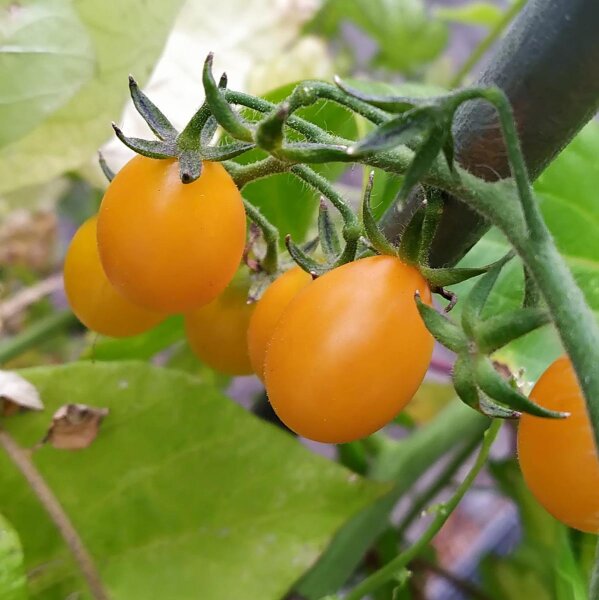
(340, 356)
(155, 248)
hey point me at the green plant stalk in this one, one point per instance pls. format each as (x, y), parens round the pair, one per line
(428, 495)
(37, 333)
(387, 572)
(493, 35)
(403, 463)
(21, 458)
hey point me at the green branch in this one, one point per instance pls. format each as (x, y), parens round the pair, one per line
(442, 512)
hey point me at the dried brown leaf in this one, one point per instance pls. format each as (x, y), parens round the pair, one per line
(75, 426)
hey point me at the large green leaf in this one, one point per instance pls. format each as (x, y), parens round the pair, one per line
(46, 55)
(406, 35)
(12, 576)
(182, 495)
(567, 192)
(125, 37)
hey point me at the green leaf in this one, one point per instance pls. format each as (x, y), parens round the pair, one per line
(569, 582)
(12, 575)
(567, 192)
(406, 35)
(286, 202)
(139, 347)
(405, 128)
(182, 495)
(125, 37)
(46, 56)
(486, 14)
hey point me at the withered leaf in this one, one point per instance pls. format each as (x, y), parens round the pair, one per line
(74, 426)
(17, 393)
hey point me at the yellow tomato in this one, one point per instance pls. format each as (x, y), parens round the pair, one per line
(93, 299)
(350, 350)
(166, 245)
(268, 312)
(558, 457)
(217, 332)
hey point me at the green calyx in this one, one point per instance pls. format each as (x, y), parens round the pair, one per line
(476, 379)
(193, 144)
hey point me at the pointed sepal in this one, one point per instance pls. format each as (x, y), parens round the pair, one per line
(443, 330)
(152, 115)
(307, 263)
(373, 232)
(149, 148)
(227, 118)
(492, 409)
(449, 151)
(269, 132)
(394, 104)
(500, 390)
(226, 151)
(329, 240)
(433, 211)
(400, 130)
(464, 383)
(409, 241)
(474, 303)
(495, 332)
(424, 157)
(108, 172)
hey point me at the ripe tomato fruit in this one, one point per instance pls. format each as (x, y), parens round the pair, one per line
(350, 350)
(558, 457)
(93, 299)
(217, 332)
(166, 245)
(268, 312)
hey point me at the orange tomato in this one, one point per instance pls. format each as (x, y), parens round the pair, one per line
(558, 457)
(93, 299)
(166, 245)
(268, 312)
(217, 332)
(350, 350)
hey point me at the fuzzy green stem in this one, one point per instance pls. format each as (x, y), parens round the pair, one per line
(244, 174)
(487, 42)
(352, 229)
(386, 573)
(38, 332)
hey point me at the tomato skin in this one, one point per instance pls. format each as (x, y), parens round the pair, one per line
(268, 312)
(558, 457)
(166, 245)
(217, 332)
(91, 296)
(350, 350)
